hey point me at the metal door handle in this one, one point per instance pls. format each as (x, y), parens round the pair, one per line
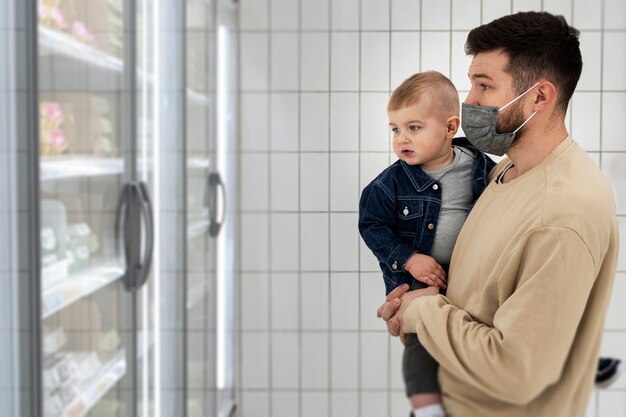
(214, 184)
(135, 206)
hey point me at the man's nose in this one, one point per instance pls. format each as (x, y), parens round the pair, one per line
(471, 98)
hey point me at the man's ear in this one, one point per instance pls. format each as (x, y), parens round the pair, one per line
(452, 126)
(545, 96)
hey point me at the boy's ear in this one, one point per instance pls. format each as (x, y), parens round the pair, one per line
(452, 126)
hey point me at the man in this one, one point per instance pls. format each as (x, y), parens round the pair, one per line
(518, 332)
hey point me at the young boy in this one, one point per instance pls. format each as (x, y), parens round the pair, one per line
(410, 214)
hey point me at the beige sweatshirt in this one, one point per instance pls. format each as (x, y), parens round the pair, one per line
(519, 330)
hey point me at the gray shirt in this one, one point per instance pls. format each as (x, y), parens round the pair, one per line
(457, 197)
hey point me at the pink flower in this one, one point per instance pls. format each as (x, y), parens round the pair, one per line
(57, 17)
(53, 112)
(57, 139)
(81, 32)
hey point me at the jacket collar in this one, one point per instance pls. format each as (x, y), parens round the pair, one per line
(417, 176)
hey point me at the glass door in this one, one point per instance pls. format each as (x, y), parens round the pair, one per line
(87, 326)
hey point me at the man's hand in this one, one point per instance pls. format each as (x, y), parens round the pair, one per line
(425, 269)
(396, 303)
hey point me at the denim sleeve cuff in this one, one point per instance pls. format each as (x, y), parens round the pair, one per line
(398, 257)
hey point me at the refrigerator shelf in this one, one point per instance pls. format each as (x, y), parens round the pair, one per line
(72, 56)
(78, 286)
(110, 373)
(68, 167)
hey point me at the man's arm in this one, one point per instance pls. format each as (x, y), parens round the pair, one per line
(533, 329)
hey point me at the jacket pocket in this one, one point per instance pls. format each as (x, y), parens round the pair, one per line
(409, 213)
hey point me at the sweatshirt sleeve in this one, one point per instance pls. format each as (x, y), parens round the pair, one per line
(533, 328)
(377, 218)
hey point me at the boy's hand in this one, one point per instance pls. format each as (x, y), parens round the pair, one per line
(425, 269)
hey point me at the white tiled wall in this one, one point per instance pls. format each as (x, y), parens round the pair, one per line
(315, 79)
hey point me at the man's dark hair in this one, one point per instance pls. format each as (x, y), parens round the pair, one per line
(538, 45)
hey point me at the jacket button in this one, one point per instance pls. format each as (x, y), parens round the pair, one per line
(405, 211)
(431, 226)
(394, 265)
(435, 187)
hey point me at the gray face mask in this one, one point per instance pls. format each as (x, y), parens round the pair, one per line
(479, 125)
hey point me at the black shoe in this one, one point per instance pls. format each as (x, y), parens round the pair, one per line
(609, 369)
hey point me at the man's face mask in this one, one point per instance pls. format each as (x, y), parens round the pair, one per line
(479, 125)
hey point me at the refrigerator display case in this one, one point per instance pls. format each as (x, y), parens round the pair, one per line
(120, 212)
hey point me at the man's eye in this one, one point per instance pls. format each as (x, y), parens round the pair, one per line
(484, 87)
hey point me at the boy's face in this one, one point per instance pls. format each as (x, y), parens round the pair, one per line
(420, 137)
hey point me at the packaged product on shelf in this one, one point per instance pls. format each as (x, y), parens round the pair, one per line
(82, 244)
(58, 368)
(52, 138)
(53, 242)
(102, 131)
(54, 339)
(49, 14)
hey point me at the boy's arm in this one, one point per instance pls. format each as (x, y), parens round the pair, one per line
(377, 228)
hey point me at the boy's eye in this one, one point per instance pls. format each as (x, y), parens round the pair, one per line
(414, 127)
(395, 130)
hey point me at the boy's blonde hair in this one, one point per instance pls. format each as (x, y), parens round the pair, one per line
(429, 88)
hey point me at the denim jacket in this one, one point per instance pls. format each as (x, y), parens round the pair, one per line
(399, 210)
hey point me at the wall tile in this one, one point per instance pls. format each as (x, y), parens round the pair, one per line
(613, 109)
(284, 181)
(255, 117)
(255, 360)
(436, 52)
(344, 242)
(374, 360)
(315, 14)
(314, 135)
(255, 300)
(253, 56)
(344, 182)
(407, 46)
(405, 15)
(345, 14)
(465, 14)
(344, 61)
(284, 15)
(314, 360)
(285, 360)
(254, 242)
(254, 182)
(621, 262)
(587, 15)
(374, 404)
(374, 122)
(611, 403)
(459, 64)
(436, 15)
(344, 122)
(314, 187)
(344, 362)
(559, 7)
(285, 403)
(614, 166)
(284, 241)
(591, 50)
(285, 310)
(526, 5)
(613, 75)
(344, 404)
(371, 297)
(614, 14)
(314, 241)
(284, 61)
(315, 404)
(396, 349)
(493, 9)
(344, 301)
(254, 404)
(375, 61)
(374, 14)
(314, 301)
(585, 109)
(254, 15)
(315, 62)
(284, 122)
